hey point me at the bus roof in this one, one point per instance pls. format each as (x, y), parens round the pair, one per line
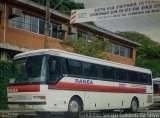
(80, 57)
(156, 79)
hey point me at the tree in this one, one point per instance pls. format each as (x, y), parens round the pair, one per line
(93, 48)
(65, 7)
(148, 54)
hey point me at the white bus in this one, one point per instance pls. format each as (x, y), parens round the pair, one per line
(156, 85)
(50, 80)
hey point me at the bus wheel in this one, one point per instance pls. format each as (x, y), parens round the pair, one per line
(74, 108)
(134, 105)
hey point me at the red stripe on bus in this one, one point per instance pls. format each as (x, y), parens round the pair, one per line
(24, 88)
(89, 87)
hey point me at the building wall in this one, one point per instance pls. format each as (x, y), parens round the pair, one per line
(120, 59)
(2, 19)
(30, 40)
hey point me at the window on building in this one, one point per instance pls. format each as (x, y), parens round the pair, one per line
(85, 36)
(35, 24)
(72, 33)
(122, 51)
(72, 36)
(119, 50)
(41, 26)
(55, 32)
(27, 24)
(60, 35)
(17, 22)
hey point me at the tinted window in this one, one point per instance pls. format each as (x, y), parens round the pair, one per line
(90, 70)
(133, 76)
(108, 72)
(34, 67)
(144, 78)
(156, 87)
(30, 69)
(74, 67)
(150, 79)
(54, 68)
(121, 74)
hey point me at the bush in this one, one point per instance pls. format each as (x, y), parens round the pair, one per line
(5, 75)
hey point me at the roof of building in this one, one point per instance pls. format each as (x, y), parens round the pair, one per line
(66, 17)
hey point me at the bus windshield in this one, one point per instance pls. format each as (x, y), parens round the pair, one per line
(157, 87)
(30, 70)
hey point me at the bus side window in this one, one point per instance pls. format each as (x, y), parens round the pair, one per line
(144, 78)
(133, 76)
(156, 88)
(91, 70)
(121, 74)
(54, 68)
(150, 79)
(108, 73)
(74, 67)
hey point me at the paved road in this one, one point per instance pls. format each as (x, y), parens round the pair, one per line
(145, 113)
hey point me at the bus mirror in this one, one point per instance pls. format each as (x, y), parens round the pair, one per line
(53, 65)
(12, 80)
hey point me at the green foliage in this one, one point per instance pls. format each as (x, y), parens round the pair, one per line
(5, 75)
(65, 7)
(148, 55)
(93, 48)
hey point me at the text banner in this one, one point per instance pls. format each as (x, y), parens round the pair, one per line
(135, 8)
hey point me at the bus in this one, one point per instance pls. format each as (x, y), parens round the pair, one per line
(51, 80)
(156, 86)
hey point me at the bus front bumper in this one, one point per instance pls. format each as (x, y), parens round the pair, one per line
(35, 106)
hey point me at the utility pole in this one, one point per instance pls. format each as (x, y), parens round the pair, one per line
(47, 23)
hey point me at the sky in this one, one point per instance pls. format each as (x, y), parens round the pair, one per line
(147, 24)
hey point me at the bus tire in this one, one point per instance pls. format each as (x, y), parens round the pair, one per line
(134, 105)
(74, 107)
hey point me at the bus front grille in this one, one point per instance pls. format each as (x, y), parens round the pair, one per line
(149, 98)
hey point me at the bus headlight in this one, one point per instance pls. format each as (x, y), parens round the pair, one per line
(9, 97)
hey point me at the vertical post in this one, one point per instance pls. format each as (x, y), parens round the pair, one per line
(5, 19)
(47, 22)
